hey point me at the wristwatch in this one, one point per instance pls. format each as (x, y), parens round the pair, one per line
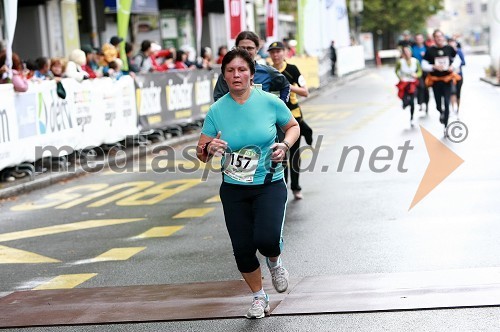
(205, 148)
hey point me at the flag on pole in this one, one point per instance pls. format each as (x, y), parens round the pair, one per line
(199, 23)
(235, 19)
(10, 7)
(123, 17)
(271, 20)
(301, 4)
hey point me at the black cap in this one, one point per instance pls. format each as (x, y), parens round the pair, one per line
(276, 46)
(115, 40)
(88, 49)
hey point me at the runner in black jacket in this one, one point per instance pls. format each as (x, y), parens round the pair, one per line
(441, 62)
(270, 78)
(297, 87)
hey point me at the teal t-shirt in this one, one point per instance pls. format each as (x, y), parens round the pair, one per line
(249, 130)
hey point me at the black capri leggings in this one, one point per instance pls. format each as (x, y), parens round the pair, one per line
(254, 215)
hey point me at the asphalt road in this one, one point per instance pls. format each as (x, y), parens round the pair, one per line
(133, 228)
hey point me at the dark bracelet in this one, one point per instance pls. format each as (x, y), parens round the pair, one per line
(286, 143)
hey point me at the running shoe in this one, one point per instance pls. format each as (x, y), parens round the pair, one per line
(441, 118)
(297, 194)
(259, 308)
(279, 276)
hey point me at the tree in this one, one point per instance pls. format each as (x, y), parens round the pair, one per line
(288, 6)
(388, 18)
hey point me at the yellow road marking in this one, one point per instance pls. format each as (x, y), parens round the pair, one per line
(327, 116)
(215, 199)
(66, 281)
(160, 231)
(368, 118)
(123, 194)
(63, 196)
(193, 213)
(170, 166)
(122, 189)
(159, 192)
(16, 256)
(77, 226)
(117, 254)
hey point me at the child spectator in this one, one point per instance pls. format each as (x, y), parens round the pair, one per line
(43, 69)
(221, 53)
(190, 57)
(57, 67)
(115, 69)
(91, 65)
(180, 59)
(29, 69)
(206, 58)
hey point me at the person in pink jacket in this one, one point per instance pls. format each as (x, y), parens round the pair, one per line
(18, 80)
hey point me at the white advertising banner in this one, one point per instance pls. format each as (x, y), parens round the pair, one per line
(325, 21)
(312, 28)
(86, 107)
(119, 108)
(56, 120)
(9, 155)
(38, 123)
(338, 16)
(350, 59)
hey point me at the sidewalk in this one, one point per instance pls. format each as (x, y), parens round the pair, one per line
(25, 184)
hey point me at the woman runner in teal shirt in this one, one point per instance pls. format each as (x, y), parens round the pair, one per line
(241, 127)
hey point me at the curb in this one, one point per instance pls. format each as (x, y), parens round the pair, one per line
(491, 80)
(53, 178)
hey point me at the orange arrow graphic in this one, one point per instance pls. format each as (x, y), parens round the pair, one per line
(442, 163)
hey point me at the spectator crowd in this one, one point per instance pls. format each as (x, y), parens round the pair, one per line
(90, 62)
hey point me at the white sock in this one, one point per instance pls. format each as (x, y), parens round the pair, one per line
(260, 293)
(271, 264)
